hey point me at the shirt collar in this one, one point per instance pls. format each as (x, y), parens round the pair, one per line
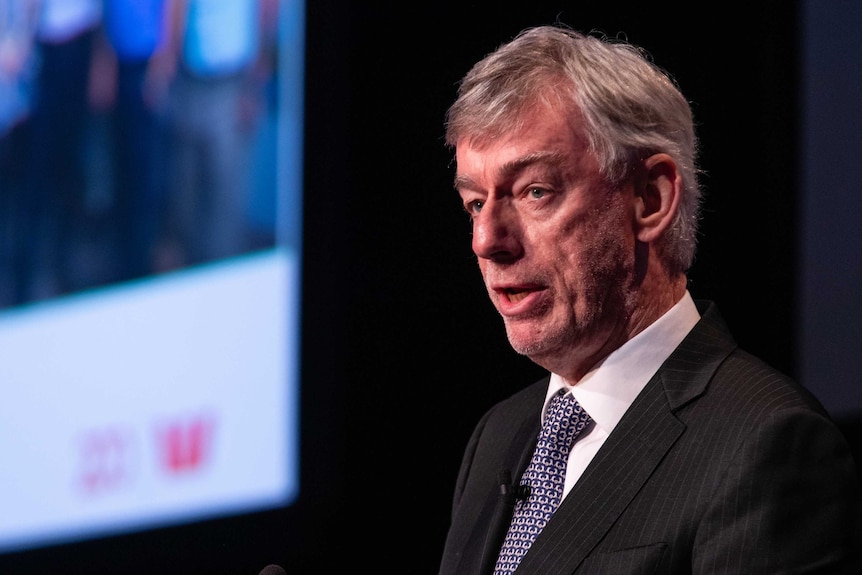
(609, 388)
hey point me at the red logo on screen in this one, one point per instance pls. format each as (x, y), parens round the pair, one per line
(184, 444)
(109, 457)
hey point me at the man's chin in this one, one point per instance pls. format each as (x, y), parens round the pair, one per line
(542, 346)
(530, 346)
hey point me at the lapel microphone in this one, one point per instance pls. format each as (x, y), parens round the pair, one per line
(509, 491)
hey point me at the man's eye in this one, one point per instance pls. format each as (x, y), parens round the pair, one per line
(537, 193)
(474, 207)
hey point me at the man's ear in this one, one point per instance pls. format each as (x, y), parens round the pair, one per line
(657, 194)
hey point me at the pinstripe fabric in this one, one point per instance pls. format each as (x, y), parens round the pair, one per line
(722, 465)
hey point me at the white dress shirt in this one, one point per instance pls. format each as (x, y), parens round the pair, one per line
(607, 391)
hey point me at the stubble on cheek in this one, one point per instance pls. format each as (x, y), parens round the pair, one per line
(609, 267)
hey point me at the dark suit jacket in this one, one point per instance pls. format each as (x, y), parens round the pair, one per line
(721, 465)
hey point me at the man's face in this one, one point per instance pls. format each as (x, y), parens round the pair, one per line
(555, 244)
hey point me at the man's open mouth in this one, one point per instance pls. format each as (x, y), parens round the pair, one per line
(516, 295)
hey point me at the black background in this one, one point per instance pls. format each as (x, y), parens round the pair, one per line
(402, 352)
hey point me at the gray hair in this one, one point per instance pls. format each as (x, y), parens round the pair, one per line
(630, 107)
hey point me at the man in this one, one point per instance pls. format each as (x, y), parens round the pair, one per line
(576, 161)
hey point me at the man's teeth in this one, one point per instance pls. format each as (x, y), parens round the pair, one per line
(516, 296)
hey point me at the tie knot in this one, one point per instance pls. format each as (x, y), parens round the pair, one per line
(564, 419)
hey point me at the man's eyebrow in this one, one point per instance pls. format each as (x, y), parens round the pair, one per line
(463, 182)
(513, 167)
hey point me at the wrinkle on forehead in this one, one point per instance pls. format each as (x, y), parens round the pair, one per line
(553, 152)
(511, 168)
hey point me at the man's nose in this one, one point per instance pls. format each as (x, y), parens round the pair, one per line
(497, 232)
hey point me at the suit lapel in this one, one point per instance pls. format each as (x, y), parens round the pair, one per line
(631, 453)
(504, 504)
(611, 481)
(510, 433)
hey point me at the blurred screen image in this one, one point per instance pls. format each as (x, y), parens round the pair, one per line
(150, 241)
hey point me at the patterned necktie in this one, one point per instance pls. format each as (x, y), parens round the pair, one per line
(544, 476)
